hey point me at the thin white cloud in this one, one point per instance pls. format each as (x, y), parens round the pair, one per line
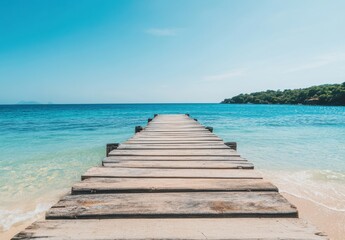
(225, 76)
(319, 62)
(162, 32)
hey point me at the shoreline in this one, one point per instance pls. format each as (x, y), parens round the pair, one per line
(330, 222)
(15, 229)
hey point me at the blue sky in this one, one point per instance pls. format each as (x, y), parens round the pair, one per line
(166, 51)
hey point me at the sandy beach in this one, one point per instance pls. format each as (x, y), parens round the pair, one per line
(19, 227)
(326, 220)
(14, 230)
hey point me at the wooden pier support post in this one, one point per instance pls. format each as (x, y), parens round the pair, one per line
(149, 120)
(138, 129)
(155, 115)
(232, 145)
(195, 119)
(209, 128)
(110, 147)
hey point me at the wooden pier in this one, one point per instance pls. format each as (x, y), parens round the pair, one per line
(174, 179)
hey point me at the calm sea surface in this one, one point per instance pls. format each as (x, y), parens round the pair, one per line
(45, 148)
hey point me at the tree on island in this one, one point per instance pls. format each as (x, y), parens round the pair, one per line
(328, 94)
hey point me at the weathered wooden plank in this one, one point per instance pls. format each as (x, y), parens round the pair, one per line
(172, 140)
(182, 164)
(200, 129)
(175, 138)
(172, 158)
(159, 185)
(165, 122)
(105, 172)
(181, 134)
(171, 116)
(175, 135)
(177, 132)
(167, 118)
(158, 143)
(165, 205)
(172, 146)
(172, 121)
(184, 126)
(180, 152)
(181, 121)
(167, 142)
(171, 130)
(189, 229)
(166, 125)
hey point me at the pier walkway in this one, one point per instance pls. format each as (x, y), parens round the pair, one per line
(174, 179)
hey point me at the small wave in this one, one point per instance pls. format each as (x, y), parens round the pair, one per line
(313, 201)
(328, 175)
(325, 188)
(8, 218)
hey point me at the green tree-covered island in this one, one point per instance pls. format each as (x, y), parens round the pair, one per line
(328, 94)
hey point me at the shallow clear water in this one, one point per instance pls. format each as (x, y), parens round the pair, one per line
(45, 148)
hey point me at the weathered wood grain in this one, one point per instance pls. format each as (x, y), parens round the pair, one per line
(158, 185)
(172, 158)
(174, 126)
(176, 132)
(176, 122)
(165, 205)
(172, 146)
(182, 152)
(167, 138)
(167, 142)
(181, 164)
(170, 130)
(176, 136)
(189, 229)
(106, 172)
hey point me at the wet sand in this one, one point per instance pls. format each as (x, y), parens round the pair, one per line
(330, 222)
(18, 228)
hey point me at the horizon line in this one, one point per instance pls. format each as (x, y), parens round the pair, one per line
(32, 104)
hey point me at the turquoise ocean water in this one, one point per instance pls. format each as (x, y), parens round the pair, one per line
(45, 148)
